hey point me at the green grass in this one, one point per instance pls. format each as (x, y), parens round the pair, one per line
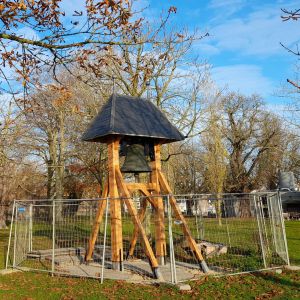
(293, 238)
(3, 245)
(258, 286)
(269, 285)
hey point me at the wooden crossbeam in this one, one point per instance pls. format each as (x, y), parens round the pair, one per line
(138, 186)
(96, 226)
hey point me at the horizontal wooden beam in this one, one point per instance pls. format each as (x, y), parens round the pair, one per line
(141, 186)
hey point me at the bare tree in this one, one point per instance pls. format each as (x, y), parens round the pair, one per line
(291, 15)
(58, 39)
(249, 132)
(215, 158)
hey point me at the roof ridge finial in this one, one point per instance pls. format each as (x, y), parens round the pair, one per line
(148, 90)
(113, 84)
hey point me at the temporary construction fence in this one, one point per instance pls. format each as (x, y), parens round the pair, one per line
(235, 233)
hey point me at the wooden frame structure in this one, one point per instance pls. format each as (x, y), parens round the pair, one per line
(117, 190)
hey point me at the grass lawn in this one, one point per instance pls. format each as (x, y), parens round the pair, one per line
(251, 286)
(293, 237)
(258, 286)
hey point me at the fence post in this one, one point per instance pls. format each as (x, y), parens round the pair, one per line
(53, 237)
(196, 219)
(30, 227)
(226, 220)
(257, 212)
(171, 244)
(279, 202)
(15, 237)
(104, 240)
(10, 233)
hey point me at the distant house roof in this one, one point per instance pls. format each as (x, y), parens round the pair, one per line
(131, 116)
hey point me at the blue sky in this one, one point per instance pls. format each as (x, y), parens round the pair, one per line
(243, 47)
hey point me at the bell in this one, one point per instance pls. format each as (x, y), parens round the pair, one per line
(135, 161)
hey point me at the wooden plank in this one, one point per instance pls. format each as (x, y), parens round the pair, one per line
(132, 210)
(96, 226)
(115, 206)
(191, 242)
(160, 237)
(137, 186)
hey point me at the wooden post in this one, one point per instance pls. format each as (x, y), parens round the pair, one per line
(160, 237)
(193, 246)
(115, 207)
(96, 226)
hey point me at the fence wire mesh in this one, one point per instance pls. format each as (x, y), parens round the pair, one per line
(234, 233)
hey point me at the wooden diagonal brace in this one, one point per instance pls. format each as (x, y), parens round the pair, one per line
(96, 226)
(141, 216)
(192, 244)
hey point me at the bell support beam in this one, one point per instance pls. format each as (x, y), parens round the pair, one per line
(96, 226)
(138, 186)
(115, 206)
(132, 210)
(160, 237)
(193, 245)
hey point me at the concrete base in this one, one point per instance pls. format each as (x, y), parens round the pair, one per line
(204, 266)
(292, 268)
(117, 265)
(157, 274)
(161, 260)
(135, 270)
(8, 271)
(184, 287)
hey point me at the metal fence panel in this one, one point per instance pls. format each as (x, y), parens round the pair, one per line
(234, 233)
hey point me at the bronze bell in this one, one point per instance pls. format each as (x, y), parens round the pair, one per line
(135, 161)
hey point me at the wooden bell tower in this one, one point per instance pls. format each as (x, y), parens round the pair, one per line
(135, 119)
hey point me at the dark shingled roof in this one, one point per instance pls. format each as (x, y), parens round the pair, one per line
(131, 116)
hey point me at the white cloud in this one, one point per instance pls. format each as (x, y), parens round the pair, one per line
(258, 33)
(221, 3)
(247, 79)
(228, 8)
(205, 48)
(28, 33)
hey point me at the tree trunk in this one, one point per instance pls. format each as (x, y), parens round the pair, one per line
(218, 206)
(60, 167)
(2, 216)
(189, 207)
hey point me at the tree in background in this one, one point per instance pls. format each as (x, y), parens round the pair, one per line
(15, 170)
(215, 158)
(249, 132)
